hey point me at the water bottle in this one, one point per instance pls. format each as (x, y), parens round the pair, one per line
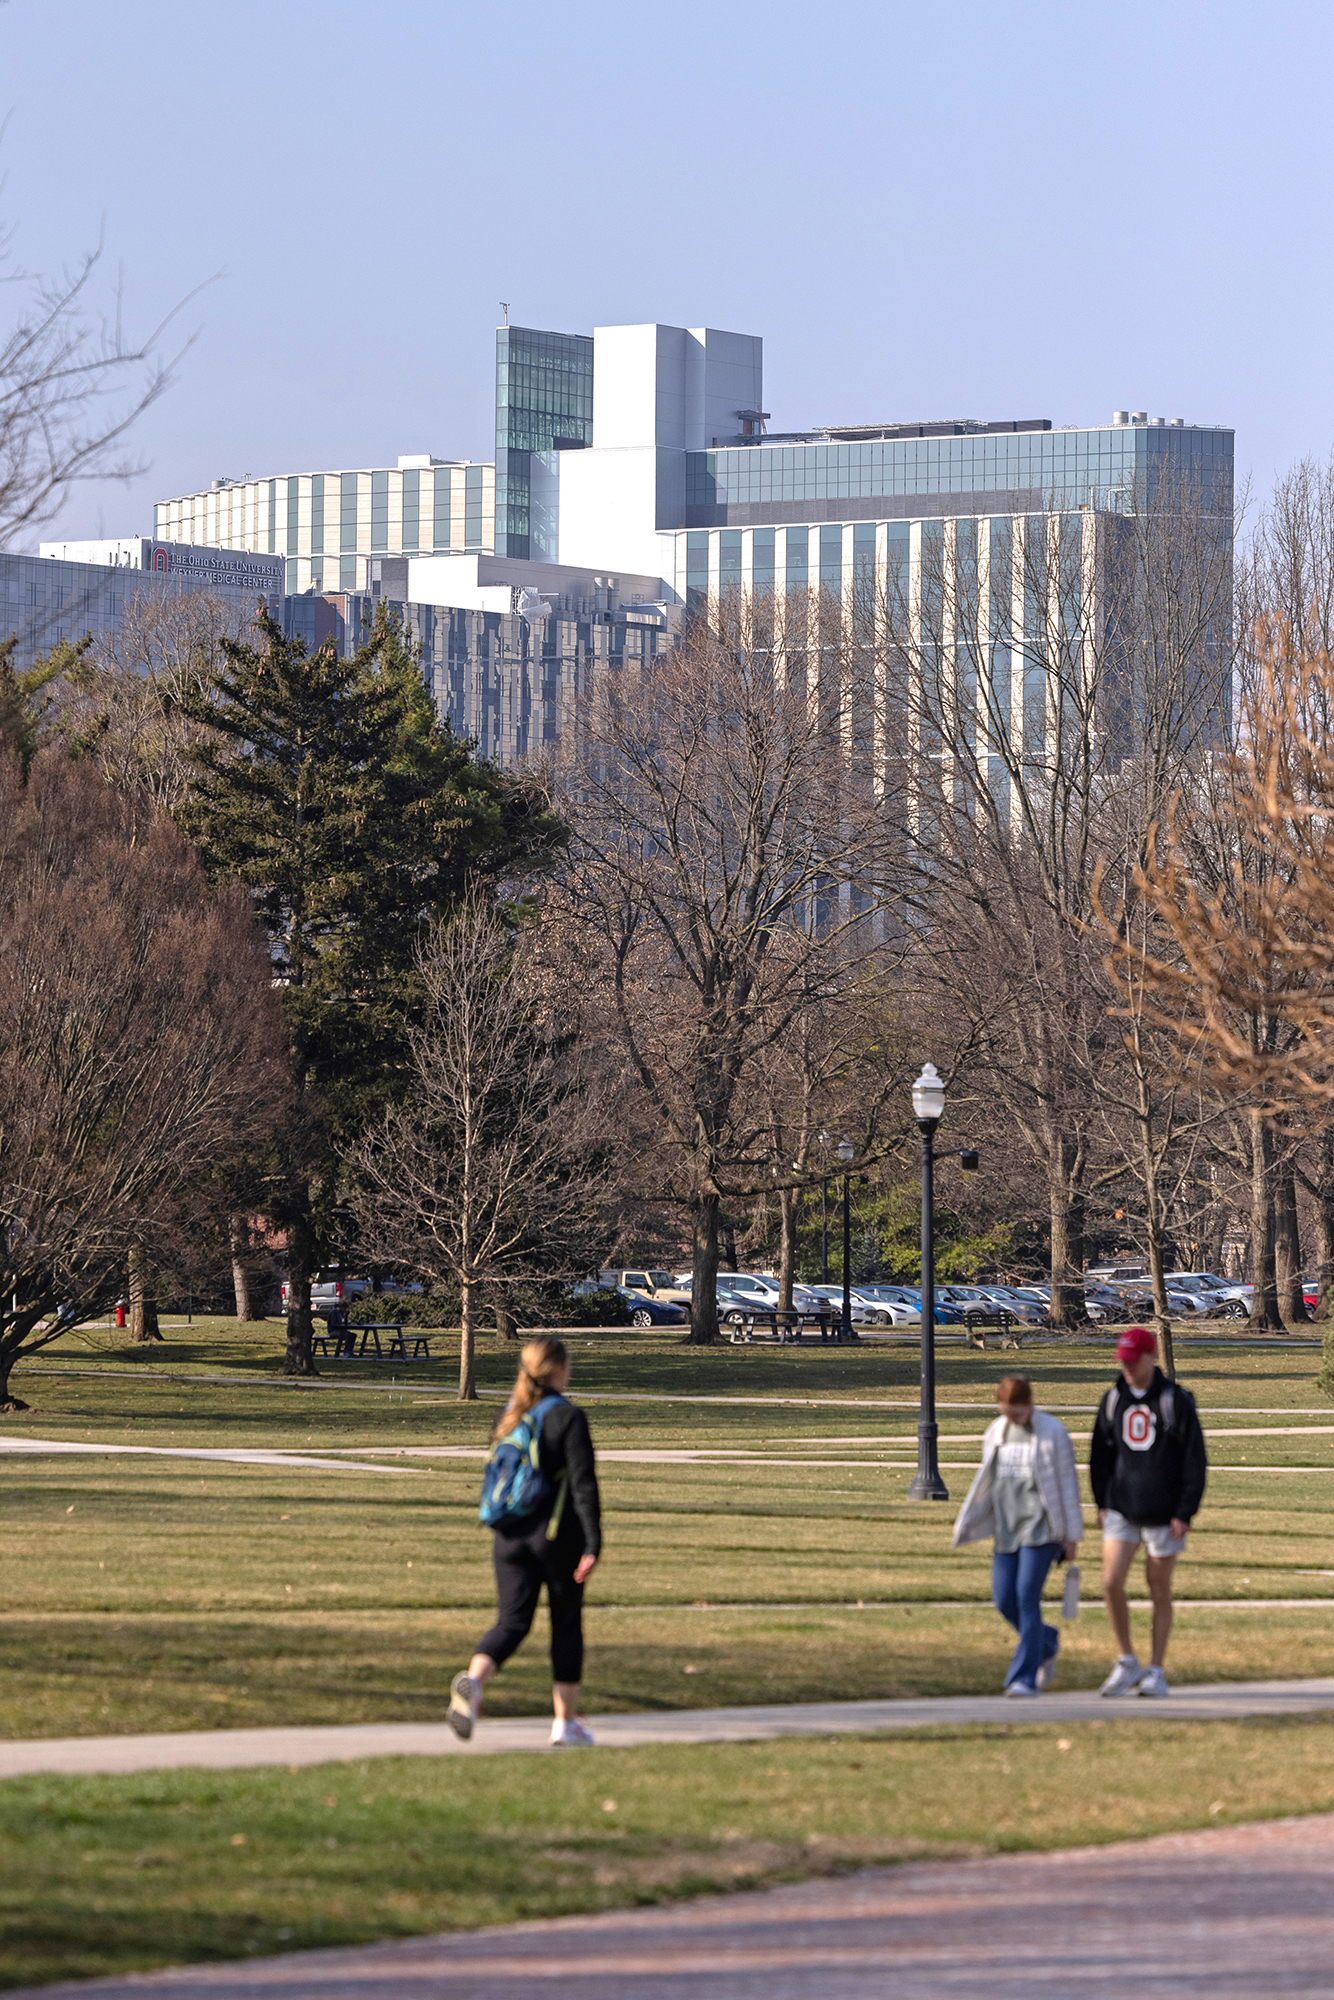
(1070, 1595)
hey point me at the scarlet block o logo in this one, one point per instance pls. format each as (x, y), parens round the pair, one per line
(1139, 1427)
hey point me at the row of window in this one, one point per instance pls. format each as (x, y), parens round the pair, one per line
(1059, 461)
(412, 510)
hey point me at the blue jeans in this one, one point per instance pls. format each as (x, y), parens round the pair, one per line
(1016, 1592)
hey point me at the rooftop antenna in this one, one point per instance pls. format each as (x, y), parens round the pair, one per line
(504, 307)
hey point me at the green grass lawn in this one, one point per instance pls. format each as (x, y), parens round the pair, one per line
(109, 1874)
(764, 1550)
(150, 1593)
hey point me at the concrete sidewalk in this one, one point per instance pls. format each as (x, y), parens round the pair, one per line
(235, 1749)
(1245, 1910)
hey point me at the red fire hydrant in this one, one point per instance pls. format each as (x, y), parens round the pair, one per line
(120, 1312)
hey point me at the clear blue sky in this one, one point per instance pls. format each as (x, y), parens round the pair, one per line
(926, 210)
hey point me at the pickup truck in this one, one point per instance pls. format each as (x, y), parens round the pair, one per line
(651, 1284)
(334, 1286)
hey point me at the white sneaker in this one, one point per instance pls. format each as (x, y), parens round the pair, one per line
(1153, 1682)
(460, 1715)
(1046, 1674)
(1125, 1676)
(1022, 1690)
(572, 1732)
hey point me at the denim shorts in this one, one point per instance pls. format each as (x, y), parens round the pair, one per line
(1157, 1541)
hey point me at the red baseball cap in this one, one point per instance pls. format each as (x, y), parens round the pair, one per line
(1136, 1340)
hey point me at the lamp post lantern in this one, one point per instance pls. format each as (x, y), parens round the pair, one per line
(928, 1104)
(845, 1155)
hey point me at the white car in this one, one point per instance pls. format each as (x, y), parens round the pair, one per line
(1218, 1297)
(740, 1292)
(334, 1285)
(895, 1300)
(865, 1310)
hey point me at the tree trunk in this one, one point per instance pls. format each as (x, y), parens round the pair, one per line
(1162, 1319)
(1068, 1306)
(507, 1327)
(727, 1243)
(1287, 1243)
(240, 1275)
(300, 1269)
(789, 1210)
(143, 1306)
(1265, 1314)
(468, 1344)
(1323, 1206)
(704, 1272)
(8, 1356)
(1153, 1216)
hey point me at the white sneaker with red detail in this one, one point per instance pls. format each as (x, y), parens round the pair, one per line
(571, 1732)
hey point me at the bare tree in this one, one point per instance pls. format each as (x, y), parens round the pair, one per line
(1241, 876)
(733, 860)
(490, 1172)
(72, 386)
(139, 1044)
(1157, 1112)
(1046, 681)
(123, 703)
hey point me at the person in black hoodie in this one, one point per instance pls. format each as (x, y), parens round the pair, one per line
(1147, 1467)
(556, 1544)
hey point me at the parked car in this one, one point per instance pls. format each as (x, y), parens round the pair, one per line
(747, 1291)
(865, 1310)
(647, 1310)
(948, 1312)
(652, 1284)
(738, 1293)
(1198, 1286)
(1013, 1300)
(334, 1285)
(903, 1307)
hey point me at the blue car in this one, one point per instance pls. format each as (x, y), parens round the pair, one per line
(947, 1312)
(645, 1311)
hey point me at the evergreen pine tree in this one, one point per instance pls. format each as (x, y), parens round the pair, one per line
(355, 819)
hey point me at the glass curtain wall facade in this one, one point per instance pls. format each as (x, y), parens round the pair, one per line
(966, 590)
(544, 402)
(983, 472)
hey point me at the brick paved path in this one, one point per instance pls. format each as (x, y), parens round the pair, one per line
(1244, 1911)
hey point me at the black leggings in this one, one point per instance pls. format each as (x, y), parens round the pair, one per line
(521, 1569)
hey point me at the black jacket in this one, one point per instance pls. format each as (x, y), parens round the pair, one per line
(1149, 1470)
(565, 1448)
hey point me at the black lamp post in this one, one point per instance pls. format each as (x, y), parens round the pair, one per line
(845, 1154)
(928, 1103)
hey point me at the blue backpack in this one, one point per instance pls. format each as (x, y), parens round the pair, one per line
(513, 1483)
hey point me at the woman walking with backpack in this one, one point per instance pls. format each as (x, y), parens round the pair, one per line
(540, 1497)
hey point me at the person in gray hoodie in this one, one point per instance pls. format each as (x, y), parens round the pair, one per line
(1026, 1497)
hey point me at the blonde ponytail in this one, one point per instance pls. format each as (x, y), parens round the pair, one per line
(540, 1362)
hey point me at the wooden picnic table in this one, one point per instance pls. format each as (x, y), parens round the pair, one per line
(787, 1328)
(341, 1340)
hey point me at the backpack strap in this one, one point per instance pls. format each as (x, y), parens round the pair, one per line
(1109, 1403)
(1167, 1407)
(562, 1491)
